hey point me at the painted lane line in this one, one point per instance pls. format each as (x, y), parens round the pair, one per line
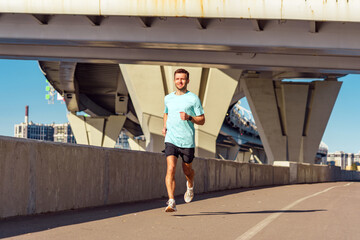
(261, 225)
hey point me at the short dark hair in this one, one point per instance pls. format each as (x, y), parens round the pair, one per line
(181, 70)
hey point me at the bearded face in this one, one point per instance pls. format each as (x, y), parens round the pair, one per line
(181, 81)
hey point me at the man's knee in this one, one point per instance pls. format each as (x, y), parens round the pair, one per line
(188, 171)
(171, 170)
(171, 164)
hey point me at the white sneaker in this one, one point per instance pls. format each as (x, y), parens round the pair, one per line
(171, 206)
(189, 194)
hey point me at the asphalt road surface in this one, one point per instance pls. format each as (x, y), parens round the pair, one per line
(303, 211)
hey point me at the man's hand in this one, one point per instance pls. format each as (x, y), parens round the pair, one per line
(184, 116)
(199, 120)
(164, 131)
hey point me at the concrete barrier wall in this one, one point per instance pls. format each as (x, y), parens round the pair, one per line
(38, 177)
(281, 175)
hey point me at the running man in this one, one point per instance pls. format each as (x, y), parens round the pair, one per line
(182, 110)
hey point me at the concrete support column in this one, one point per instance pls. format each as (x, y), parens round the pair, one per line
(146, 89)
(233, 152)
(321, 101)
(291, 116)
(97, 131)
(243, 157)
(216, 92)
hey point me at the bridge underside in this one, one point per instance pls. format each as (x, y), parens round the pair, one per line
(261, 45)
(119, 68)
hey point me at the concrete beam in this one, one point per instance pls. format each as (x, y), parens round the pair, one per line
(256, 25)
(281, 46)
(43, 19)
(23, 38)
(313, 27)
(270, 9)
(208, 59)
(146, 22)
(95, 20)
(202, 23)
(69, 85)
(121, 96)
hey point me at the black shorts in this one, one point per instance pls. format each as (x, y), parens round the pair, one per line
(187, 154)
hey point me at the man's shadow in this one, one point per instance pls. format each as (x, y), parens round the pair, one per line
(250, 212)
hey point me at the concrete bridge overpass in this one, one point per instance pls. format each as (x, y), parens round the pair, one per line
(98, 53)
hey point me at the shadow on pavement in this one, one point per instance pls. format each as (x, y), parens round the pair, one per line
(253, 212)
(15, 226)
(29, 224)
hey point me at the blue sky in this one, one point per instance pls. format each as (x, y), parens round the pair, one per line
(22, 83)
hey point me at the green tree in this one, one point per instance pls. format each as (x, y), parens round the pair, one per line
(354, 167)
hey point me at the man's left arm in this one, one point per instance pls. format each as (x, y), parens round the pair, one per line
(199, 120)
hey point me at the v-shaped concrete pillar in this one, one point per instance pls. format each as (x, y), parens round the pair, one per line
(99, 131)
(216, 92)
(291, 116)
(148, 85)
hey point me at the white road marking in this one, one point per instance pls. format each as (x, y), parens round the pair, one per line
(261, 225)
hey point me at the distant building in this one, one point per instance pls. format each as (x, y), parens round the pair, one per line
(321, 154)
(343, 160)
(63, 133)
(34, 131)
(122, 142)
(46, 132)
(357, 158)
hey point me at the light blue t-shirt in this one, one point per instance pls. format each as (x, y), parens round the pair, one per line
(179, 132)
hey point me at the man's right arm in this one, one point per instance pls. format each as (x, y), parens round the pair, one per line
(164, 128)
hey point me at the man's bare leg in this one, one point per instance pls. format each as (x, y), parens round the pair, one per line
(189, 173)
(170, 176)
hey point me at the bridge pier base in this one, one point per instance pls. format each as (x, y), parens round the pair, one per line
(96, 131)
(149, 84)
(291, 116)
